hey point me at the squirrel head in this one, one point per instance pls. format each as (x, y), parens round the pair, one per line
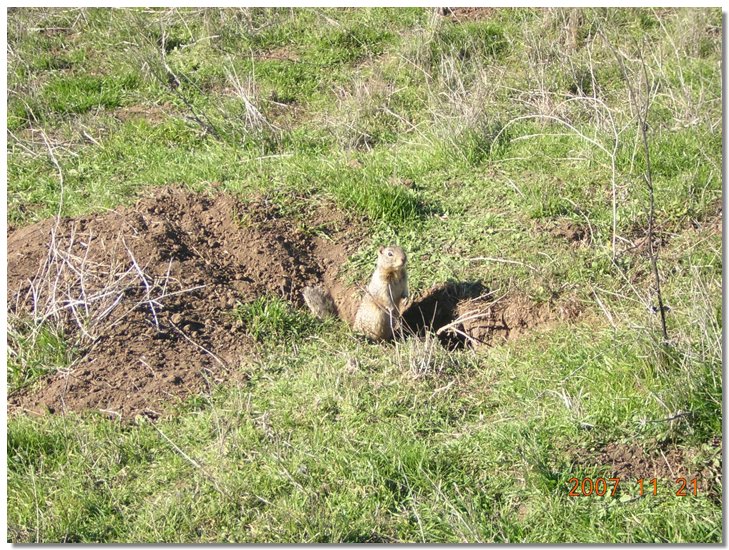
(391, 257)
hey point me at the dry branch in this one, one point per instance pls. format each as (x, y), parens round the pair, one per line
(641, 104)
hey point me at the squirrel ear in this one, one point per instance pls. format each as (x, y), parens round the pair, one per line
(382, 248)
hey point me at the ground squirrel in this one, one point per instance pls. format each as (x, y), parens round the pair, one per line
(378, 315)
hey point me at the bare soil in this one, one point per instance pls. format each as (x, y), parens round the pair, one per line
(666, 463)
(570, 231)
(469, 14)
(283, 53)
(154, 114)
(200, 256)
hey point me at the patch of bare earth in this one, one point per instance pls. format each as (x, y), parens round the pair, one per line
(467, 14)
(154, 114)
(283, 53)
(631, 461)
(572, 232)
(148, 292)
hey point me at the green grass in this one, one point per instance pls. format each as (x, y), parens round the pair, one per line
(37, 350)
(313, 450)
(270, 318)
(466, 142)
(79, 94)
(467, 40)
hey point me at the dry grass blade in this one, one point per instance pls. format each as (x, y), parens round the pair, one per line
(254, 119)
(423, 356)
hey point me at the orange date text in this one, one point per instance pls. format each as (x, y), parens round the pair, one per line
(601, 486)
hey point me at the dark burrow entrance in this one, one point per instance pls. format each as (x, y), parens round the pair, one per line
(470, 314)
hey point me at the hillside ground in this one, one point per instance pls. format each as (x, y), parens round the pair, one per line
(539, 166)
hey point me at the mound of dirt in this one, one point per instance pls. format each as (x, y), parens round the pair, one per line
(149, 291)
(469, 314)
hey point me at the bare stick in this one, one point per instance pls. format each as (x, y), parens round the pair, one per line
(172, 81)
(473, 341)
(450, 326)
(143, 277)
(604, 309)
(651, 215)
(60, 173)
(642, 114)
(175, 447)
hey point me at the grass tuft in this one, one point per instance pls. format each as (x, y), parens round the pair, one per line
(35, 351)
(270, 318)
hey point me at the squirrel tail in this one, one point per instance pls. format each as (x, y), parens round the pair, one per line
(320, 302)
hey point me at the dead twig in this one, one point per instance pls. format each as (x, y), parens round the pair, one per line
(642, 115)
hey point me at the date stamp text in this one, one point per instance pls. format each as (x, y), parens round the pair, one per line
(601, 486)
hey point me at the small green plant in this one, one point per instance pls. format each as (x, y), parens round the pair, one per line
(34, 351)
(270, 318)
(393, 204)
(475, 144)
(79, 94)
(348, 45)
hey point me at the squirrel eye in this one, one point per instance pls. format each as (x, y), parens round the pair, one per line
(389, 252)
